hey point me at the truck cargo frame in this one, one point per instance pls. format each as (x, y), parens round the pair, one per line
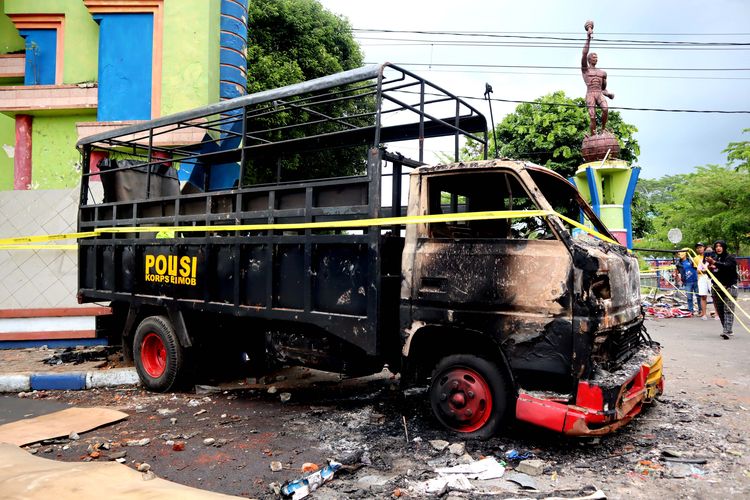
(299, 286)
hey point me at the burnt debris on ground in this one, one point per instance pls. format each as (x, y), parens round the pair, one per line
(79, 355)
(252, 441)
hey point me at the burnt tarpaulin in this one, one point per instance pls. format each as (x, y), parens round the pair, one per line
(128, 180)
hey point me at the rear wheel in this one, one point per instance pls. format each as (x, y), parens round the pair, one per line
(469, 395)
(159, 357)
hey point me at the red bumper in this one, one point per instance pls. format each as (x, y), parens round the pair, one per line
(599, 409)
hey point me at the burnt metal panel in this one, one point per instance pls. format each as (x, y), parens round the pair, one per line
(108, 268)
(254, 271)
(340, 279)
(288, 275)
(126, 265)
(222, 277)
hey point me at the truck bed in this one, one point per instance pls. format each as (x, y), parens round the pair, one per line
(343, 281)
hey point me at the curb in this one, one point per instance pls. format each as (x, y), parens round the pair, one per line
(76, 381)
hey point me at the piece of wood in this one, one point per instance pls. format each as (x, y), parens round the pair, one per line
(58, 424)
(25, 476)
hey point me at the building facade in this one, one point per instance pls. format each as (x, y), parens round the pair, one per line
(72, 68)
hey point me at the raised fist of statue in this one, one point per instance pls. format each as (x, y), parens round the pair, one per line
(589, 27)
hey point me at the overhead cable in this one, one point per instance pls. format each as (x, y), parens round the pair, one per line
(523, 66)
(622, 108)
(536, 37)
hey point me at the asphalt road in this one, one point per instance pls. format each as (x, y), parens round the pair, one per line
(702, 416)
(13, 408)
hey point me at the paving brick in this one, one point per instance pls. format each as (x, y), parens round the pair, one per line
(531, 467)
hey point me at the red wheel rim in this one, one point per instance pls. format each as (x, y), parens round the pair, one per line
(153, 355)
(464, 398)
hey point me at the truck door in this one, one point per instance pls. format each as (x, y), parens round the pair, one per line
(507, 278)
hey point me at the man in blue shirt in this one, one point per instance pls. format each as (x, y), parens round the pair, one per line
(689, 279)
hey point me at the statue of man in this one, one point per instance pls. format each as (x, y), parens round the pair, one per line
(596, 82)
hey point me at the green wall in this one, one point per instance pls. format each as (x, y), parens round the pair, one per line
(81, 34)
(190, 77)
(54, 156)
(190, 72)
(10, 40)
(7, 138)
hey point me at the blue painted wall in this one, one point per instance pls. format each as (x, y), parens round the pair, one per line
(233, 83)
(627, 204)
(41, 60)
(125, 55)
(593, 190)
(233, 44)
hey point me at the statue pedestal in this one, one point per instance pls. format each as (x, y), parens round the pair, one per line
(609, 187)
(595, 147)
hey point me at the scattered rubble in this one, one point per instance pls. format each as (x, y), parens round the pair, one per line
(207, 389)
(677, 447)
(138, 442)
(439, 444)
(531, 467)
(457, 449)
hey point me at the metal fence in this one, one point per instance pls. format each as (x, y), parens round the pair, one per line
(664, 279)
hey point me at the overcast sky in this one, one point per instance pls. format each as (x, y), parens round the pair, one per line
(670, 143)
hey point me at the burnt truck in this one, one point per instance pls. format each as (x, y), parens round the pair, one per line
(303, 226)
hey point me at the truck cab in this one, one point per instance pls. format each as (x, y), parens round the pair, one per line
(513, 315)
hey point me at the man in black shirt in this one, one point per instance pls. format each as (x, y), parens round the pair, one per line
(724, 267)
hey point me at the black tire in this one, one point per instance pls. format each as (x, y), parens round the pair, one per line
(469, 395)
(159, 358)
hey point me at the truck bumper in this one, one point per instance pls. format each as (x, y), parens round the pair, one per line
(601, 406)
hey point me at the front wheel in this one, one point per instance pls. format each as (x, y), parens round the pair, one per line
(159, 357)
(469, 395)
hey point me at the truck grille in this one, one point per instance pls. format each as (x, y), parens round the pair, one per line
(616, 347)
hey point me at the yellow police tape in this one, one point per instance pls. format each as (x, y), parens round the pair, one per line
(19, 243)
(38, 247)
(24, 242)
(655, 270)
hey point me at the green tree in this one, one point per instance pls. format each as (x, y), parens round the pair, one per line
(739, 152)
(650, 196)
(660, 191)
(290, 41)
(549, 132)
(642, 212)
(711, 203)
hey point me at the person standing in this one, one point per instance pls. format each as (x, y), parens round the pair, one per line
(689, 278)
(704, 282)
(710, 253)
(724, 267)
